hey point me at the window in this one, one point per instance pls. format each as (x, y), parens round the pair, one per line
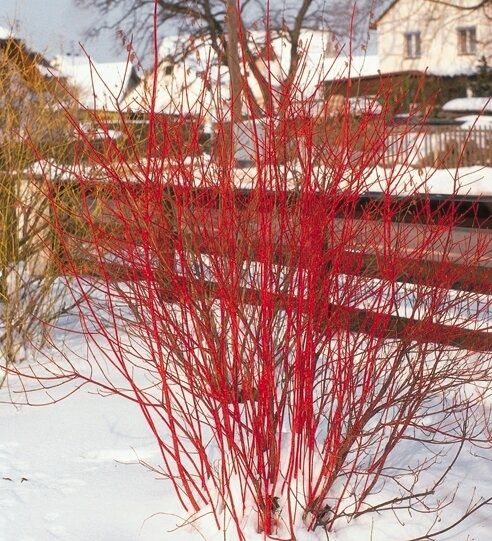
(467, 40)
(412, 45)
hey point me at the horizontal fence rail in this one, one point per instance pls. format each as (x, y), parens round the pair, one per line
(372, 245)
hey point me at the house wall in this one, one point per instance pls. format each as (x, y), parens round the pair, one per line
(200, 82)
(438, 25)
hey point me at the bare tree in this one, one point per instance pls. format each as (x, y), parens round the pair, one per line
(472, 6)
(484, 6)
(200, 19)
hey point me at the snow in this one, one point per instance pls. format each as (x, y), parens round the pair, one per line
(467, 181)
(400, 180)
(185, 89)
(5, 33)
(364, 104)
(48, 71)
(71, 471)
(475, 121)
(404, 180)
(101, 85)
(358, 66)
(80, 470)
(476, 105)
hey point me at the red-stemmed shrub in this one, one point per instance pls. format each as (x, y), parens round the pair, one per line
(286, 326)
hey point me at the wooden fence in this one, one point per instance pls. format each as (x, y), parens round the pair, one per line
(442, 147)
(473, 232)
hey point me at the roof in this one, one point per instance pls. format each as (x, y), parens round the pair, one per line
(384, 75)
(359, 66)
(101, 85)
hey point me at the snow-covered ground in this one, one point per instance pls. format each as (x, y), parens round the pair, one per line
(71, 471)
(77, 470)
(397, 180)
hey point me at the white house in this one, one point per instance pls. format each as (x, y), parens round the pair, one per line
(182, 85)
(100, 85)
(444, 38)
(200, 84)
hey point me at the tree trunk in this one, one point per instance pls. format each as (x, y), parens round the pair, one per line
(232, 24)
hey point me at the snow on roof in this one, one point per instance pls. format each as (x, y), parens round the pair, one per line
(101, 85)
(318, 63)
(476, 105)
(477, 121)
(358, 66)
(182, 91)
(174, 46)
